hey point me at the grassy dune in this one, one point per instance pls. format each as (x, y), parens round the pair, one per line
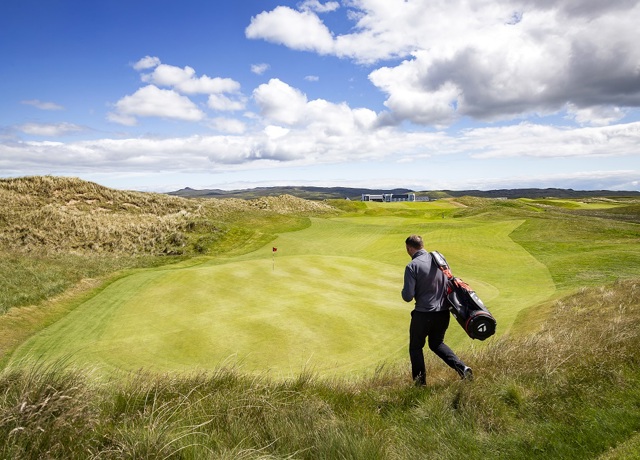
(67, 215)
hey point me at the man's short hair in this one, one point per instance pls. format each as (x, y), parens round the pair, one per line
(414, 241)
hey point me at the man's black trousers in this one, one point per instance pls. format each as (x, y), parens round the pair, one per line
(432, 326)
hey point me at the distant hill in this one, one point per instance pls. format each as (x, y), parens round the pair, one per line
(308, 193)
(324, 193)
(538, 193)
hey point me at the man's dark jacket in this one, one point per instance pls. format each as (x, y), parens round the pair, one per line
(424, 282)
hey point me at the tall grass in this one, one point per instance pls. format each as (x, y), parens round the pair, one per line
(569, 391)
(28, 279)
(69, 215)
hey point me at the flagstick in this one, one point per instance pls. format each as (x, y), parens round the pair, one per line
(273, 257)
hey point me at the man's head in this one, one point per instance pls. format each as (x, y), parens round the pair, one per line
(414, 244)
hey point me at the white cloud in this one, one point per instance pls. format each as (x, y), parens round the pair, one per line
(532, 140)
(294, 29)
(184, 80)
(227, 125)
(498, 71)
(147, 62)
(321, 120)
(151, 101)
(275, 132)
(42, 105)
(312, 78)
(221, 102)
(380, 32)
(488, 59)
(316, 5)
(596, 116)
(328, 133)
(49, 129)
(259, 69)
(280, 102)
(122, 119)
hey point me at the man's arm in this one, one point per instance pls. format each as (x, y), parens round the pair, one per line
(409, 288)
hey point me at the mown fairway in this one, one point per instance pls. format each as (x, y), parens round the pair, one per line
(328, 300)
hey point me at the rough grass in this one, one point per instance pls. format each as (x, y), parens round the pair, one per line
(29, 279)
(57, 214)
(582, 251)
(552, 394)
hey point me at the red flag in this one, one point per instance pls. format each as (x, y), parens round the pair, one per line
(275, 249)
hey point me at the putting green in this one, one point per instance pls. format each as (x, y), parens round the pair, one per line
(328, 300)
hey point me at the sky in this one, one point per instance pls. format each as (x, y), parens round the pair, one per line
(420, 94)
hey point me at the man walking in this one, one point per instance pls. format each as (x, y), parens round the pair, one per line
(426, 283)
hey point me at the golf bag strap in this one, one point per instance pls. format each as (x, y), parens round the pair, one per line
(441, 263)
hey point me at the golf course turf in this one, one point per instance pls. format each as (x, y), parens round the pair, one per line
(172, 329)
(327, 300)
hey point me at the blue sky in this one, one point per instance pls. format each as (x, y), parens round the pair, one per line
(164, 94)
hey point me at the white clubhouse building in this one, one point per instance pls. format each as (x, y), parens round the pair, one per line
(389, 197)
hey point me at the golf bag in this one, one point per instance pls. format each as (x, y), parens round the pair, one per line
(464, 304)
